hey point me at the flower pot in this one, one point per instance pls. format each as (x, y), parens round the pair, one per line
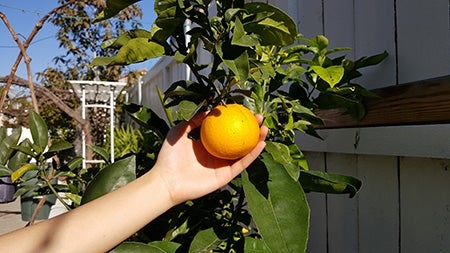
(30, 200)
(29, 203)
(7, 190)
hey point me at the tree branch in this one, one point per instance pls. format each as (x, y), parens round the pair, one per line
(33, 33)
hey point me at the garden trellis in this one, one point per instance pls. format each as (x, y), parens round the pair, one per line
(97, 94)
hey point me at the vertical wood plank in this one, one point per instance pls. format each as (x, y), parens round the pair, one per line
(375, 33)
(342, 211)
(378, 204)
(339, 24)
(425, 205)
(423, 39)
(310, 18)
(317, 242)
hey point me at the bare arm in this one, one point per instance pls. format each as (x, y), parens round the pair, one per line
(184, 170)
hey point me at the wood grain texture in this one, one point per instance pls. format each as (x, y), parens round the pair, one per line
(417, 103)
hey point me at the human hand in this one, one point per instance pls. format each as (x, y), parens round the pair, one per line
(189, 171)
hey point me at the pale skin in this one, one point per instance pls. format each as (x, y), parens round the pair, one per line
(183, 171)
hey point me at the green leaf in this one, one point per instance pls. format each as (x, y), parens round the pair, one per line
(138, 247)
(282, 217)
(205, 241)
(371, 60)
(28, 150)
(147, 118)
(56, 147)
(5, 171)
(39, 131)
(240, 38)
(167, 246)
(113, 7)
(239, 66)
(22, 170)
(281, 154)
(110, 178)
(332, 75)
(21, 156)
(272, 25)
(136, 50)
(318, 181)
(333, 100)
(124, 38)
(72, 164)
(254, 245)
(103, 152)
(187, 109)
(6, 145)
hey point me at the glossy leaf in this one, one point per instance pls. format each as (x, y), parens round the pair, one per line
(240, 38)
(272, 25)
(20, 157)
(236, 59)
(123, 39)
(319, 181)
(39, 131)
(22, 170)
(103, 152)
(282, 218)
(282, 155)
(138, 247)
(72, 164)
(110, 178)
(113, 7)
(332, 75)
(6, 146)
(205, 241)
(147, 118)
(5, 171)
(135, 50)
(255, 245)
(56, 147)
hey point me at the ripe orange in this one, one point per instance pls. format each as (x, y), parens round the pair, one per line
(229, 131)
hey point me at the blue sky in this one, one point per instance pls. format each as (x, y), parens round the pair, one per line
(23, 15)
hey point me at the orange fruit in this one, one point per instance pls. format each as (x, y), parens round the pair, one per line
(229, 131)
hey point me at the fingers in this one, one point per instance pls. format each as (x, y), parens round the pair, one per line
(245, 161)
(196, 121)
(259, 118)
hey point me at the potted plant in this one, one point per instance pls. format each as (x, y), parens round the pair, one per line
(33, 168)
(7, 188)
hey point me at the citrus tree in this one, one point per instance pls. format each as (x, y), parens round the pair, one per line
(258, 59)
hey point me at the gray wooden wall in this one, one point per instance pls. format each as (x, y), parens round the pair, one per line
(404, 204)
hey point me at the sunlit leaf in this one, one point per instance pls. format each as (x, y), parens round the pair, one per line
(319, 181)
(113, 7)
(135, 50)
(282, 218)
(6, 146)
(272, 25)
(332, 75)
(281, 154)
(205, 241)
(138, 247)
(39, 131)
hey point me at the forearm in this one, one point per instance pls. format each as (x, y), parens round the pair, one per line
(96, 226)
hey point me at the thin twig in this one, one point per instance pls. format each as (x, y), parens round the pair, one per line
(27, 60)
(33, 33)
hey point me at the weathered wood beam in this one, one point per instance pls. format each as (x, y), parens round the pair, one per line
(418, 103)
